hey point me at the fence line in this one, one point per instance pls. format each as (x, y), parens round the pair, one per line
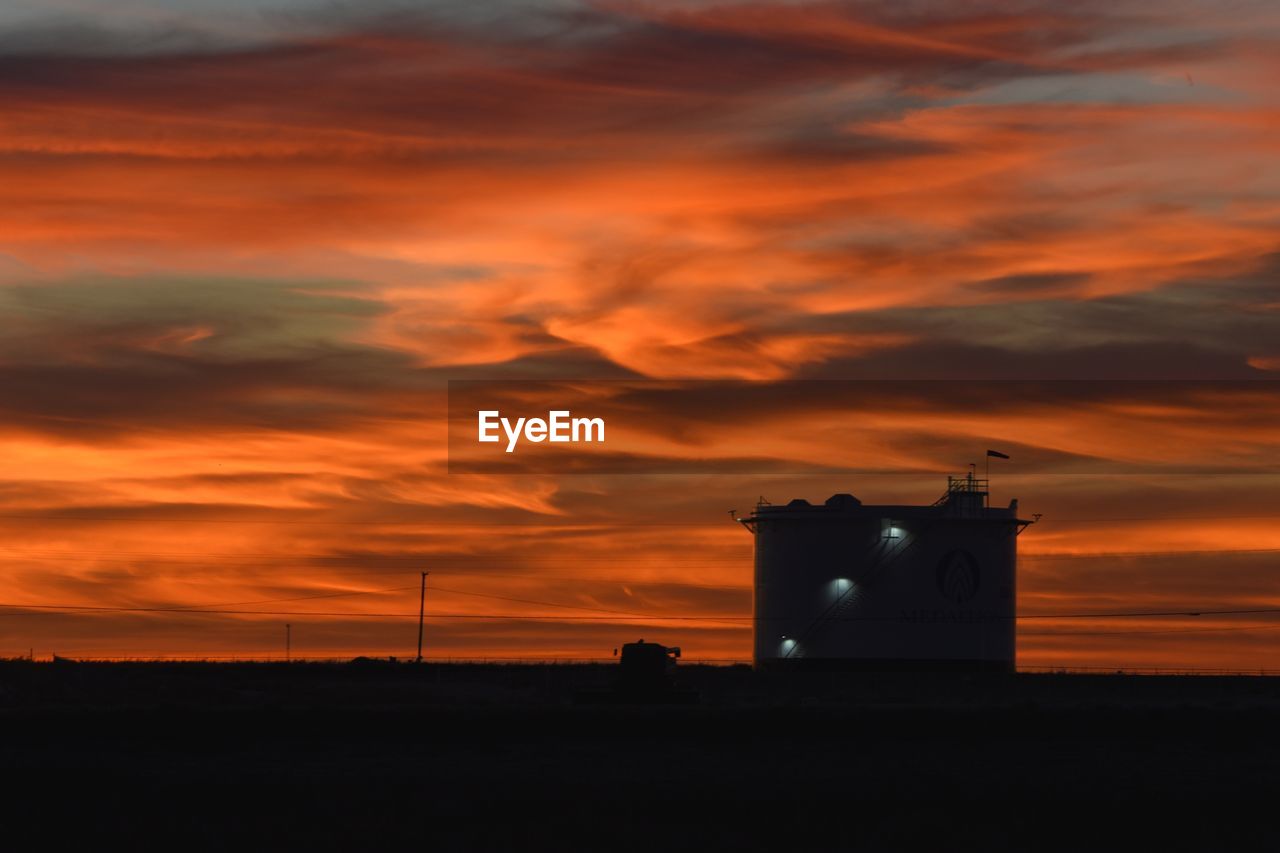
(571, 661)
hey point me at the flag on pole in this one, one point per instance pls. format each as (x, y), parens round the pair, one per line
(997, 454)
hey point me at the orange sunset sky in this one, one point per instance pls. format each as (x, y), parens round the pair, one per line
(245, 245)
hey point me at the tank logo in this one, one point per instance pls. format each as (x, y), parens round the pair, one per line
(958, 576)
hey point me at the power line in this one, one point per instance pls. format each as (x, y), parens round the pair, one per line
(618, 615)
(535, 601)
(482, 575)
(486, 575)
(1116, 518)
(1112, 555)
(259, 657)
(1233, 628)
(51, 609)
(534, 562)
(1157, 669)
(436, 521)
(305, 597)
(373, 559)
(550, 525)
(599, 610)
(1153, 614)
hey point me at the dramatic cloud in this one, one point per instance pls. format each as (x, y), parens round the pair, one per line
(244, 246)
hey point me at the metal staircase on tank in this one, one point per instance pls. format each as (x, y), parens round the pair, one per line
(837, 609)
(965, 485)
(846, 600)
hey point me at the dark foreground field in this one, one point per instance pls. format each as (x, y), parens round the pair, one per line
(317, 756)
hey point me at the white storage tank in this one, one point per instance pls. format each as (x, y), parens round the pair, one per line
(851, 585)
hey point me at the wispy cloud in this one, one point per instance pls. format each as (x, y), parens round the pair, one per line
(242, 250)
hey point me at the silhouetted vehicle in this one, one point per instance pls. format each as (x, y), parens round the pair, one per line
(647, 666)
(645, 674)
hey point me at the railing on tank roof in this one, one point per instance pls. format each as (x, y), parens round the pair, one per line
(967, 483)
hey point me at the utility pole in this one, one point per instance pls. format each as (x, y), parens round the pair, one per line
(288, 641)
(422, 604)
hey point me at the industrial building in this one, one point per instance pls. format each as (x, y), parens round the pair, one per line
(848, 584)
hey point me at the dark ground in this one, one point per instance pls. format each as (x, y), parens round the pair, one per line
(458, 757)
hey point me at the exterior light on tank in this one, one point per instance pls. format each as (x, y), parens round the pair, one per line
(840, 586)
(898, 585)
